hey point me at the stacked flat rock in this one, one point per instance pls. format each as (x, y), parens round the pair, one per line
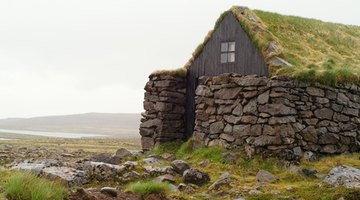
(164, 104)
(277, 116)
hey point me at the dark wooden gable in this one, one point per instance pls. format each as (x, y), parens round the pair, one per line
(248, 60)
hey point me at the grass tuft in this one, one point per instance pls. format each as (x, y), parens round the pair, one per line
(149, 187)
(25, 186)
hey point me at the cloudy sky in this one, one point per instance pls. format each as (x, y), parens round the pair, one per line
(77, 56)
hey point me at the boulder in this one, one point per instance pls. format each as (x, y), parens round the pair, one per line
(344, 176)
(103, 171)
(106, 158)
(31, 167)
(195, 176)
(67, 175)
(180, 166)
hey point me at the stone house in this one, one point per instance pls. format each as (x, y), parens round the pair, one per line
(270, 83)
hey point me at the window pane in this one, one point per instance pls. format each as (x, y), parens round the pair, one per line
(224, 58)
(231, 57)
(231, 46)
(224, 47)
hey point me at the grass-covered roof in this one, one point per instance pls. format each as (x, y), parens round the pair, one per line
(306, 49)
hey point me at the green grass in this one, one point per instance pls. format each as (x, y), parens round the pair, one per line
(334, 49)
(25, 186)
(288, 185)
(149, 187)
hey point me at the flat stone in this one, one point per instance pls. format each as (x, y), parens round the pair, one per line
(250, 108)
(324, 113)
(162, 106)
(351, 111)
(342, 99)
(282, 120)
(203, 90)
(263, 98)
(309, 134)
(227, 137)
(277, 109)
(264, 140)
(227, 93)
(328, 138)
(238, 110)
(315, 91)
(216, 127)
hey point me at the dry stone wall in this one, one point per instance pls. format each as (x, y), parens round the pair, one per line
(164, 104)
(276, 116)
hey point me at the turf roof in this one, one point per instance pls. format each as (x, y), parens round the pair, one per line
(306, 49)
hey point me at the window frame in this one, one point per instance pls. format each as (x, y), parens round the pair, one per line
(229, 51)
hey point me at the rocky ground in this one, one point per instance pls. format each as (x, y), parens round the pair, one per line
(211, 173)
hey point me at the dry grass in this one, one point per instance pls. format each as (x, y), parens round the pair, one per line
(180, 72)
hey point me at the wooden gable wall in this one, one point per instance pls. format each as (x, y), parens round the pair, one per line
(248, 60)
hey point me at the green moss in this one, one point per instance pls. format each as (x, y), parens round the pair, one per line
(167, 147)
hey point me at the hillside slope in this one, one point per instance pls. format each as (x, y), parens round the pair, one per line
(113, 124)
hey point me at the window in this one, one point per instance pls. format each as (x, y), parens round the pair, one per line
(227, 52)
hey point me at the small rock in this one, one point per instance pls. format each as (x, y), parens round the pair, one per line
(130, 176)
(264, 176)
(196, 176)
(225, 175)
(109, 191)
(168, 156)
(123, 153)
(230, 157)
(156, 171)
(309, 172)
(310, 156)
(221, 182)
(151, 160)
(180, 166)
(130, 165)
(204, 163)
(254, 192)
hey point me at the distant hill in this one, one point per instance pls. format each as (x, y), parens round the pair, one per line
(114, 124)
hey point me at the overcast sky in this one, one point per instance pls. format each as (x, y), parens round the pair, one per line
(77, 56)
